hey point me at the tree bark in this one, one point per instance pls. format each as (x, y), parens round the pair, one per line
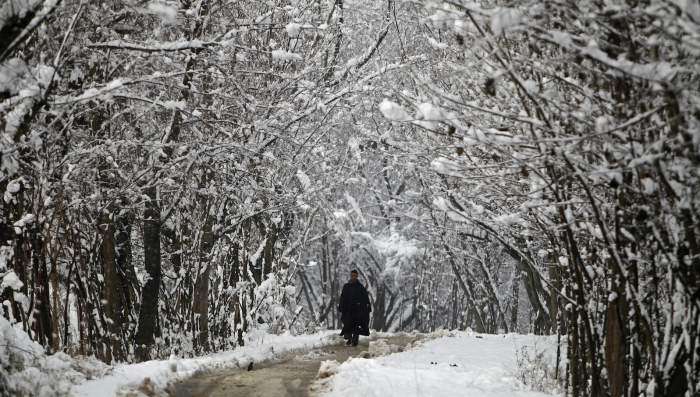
(200, 304)
(615, 348)
(112, 292)
(148, 315)
(42, 311)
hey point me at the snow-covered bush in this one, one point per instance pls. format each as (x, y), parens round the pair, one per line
(537, 371)
(274, 305)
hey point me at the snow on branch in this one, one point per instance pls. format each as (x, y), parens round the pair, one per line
(652, 71)
(160, 47)
(107, 89)
(358, 62)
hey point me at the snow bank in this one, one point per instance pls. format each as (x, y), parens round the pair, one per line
(159, 373)
(26, 371)
(460, 364)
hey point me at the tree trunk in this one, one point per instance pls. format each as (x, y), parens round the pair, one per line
(56, 307)
(42, 310)
(125, 265)
(515, 302)
(112, 292)
(615, 347)
(148, 315)
(200, 304)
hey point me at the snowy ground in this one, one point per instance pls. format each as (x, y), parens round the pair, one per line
(440, 364)
(126, 377)
(459, 364)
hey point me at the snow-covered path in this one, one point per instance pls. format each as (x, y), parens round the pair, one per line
(441, 364)
(290, 375)
(155, 376)
(459, 364)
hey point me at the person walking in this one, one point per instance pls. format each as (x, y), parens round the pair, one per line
(354, 308)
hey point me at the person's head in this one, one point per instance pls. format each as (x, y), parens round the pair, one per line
(353, 276)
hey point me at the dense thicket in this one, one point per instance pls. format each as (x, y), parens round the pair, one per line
(572, 138)
(175, 175)
(147, 174)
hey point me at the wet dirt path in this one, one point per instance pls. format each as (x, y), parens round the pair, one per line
(288, 376)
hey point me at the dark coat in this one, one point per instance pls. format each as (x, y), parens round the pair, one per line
(355, 308)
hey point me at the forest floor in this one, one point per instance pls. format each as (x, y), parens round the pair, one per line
(295, 374)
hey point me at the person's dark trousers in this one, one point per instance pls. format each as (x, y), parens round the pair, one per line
(348, 323)
(355, 335)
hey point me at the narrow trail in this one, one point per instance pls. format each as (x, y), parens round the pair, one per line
(291, 375)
